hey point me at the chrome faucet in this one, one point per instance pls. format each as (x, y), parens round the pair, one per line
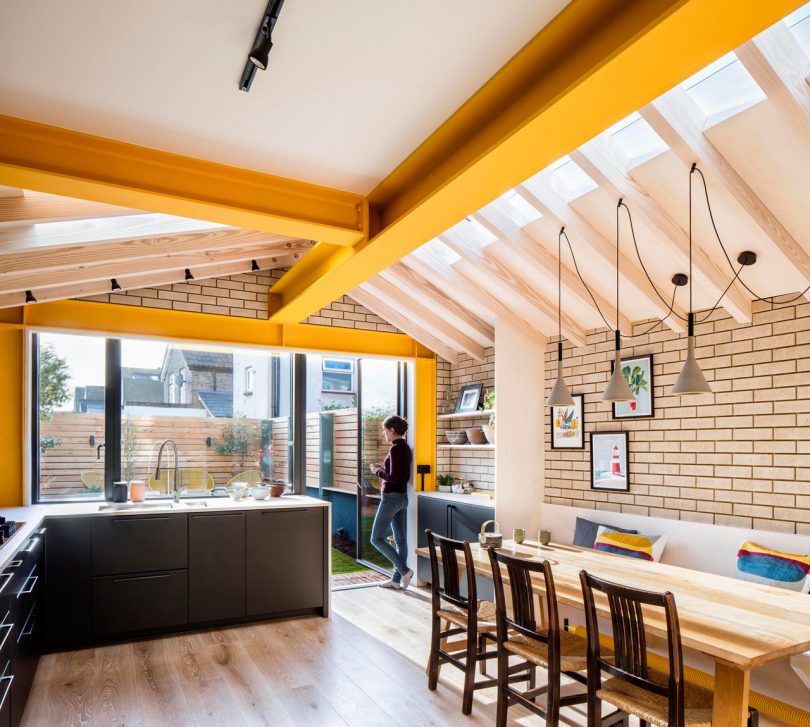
(176, 462)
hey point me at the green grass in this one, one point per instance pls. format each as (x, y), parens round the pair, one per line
(342, 563)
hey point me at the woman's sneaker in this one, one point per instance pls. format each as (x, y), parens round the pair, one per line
(391, 584)
(406, 580)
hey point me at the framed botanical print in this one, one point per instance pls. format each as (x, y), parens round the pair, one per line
(468, 398)
(568, 425)
(638, 372)
(609, 469)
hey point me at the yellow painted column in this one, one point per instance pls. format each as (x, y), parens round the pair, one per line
(424, 426)
(12, 403)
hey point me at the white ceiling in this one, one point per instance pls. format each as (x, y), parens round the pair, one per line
(353, 85)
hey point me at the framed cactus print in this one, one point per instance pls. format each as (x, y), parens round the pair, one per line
(638, 372)
(568, 425)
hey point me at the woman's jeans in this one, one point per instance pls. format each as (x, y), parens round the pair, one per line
(392, 511)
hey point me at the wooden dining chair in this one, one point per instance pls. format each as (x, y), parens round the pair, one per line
(463, 615)
(666, 700)
(520, 634)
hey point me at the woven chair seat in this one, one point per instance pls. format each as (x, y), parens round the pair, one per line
(573, 651)
(486, 616)
(653, 708)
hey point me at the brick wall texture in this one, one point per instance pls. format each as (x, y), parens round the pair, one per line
(739, 456)
(244, 296)
(474, 464)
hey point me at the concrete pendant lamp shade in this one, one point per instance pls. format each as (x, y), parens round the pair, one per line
(560, 394)
(618, 389)
(691, 379)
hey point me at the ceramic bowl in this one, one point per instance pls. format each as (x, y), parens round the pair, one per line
(456, 437)
(277, 489)
(476, 435)
(260, 492)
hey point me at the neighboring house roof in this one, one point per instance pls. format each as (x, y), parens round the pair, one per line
(141, 385)
(217, 403)
(197, 360)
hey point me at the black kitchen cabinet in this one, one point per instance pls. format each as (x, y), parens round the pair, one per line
(460, 521)
(139, 543)
(129, 604)
(216, 566)
(67, 593)
(285, 560)
(6, 680)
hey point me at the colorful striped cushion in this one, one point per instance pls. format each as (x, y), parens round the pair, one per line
(645, 547)
(773, 568)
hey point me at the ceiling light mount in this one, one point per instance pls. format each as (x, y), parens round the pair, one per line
(258, 58)
(747, 258)
(29, 297)
(254, 266)
(679, 279)
(188, 274)
(114, 285)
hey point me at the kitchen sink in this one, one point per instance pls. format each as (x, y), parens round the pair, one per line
(149, 505)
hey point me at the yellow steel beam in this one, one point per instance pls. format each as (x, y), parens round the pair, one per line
(110, 318)
(58, 161)
(596, 62)
(424, 428)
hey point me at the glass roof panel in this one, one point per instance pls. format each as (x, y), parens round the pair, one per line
(569, 180)
(723, 88)
(435, 248)
(479, 233)
(521, 212)
(799, 23)
(637, 139)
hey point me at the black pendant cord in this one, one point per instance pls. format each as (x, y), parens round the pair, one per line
(641, 262)
(559, 288)
(562, 234)
(766, 298)
(618, 333)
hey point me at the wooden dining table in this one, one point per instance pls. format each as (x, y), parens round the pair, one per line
(740, 625)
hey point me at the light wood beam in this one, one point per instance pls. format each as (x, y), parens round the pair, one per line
(426, 318)
(553, 207)
(10, 192)
(678, 121)
(780, 68)
(527, 251)
(512, 289)
(437, 299)
(404, 323)
(30, 208)
(196, 261)
(598, 161)
(472, 297)
(146, 250)
(135, 282)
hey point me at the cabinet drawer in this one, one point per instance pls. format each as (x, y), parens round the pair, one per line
(139, 544)
(128, 604)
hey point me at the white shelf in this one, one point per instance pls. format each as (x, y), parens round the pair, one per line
(466, 446)
(467, 415)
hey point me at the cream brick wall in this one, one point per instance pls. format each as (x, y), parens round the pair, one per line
(739, 456)
(477, 465)
(244, 296)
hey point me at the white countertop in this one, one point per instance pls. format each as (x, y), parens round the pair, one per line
(34, 515)
(480, 500)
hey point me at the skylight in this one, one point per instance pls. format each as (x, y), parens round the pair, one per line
(569, 180)
(436, 249)
(479, 233)
(521, 212)
(799, 23)
(723, 88)
(637, 139)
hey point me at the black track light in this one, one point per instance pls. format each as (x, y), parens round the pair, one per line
(260, 55)
(29, 297)
(114, 284)
(254, 266)
(189, 276)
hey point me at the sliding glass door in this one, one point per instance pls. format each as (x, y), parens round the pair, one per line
(381, 393)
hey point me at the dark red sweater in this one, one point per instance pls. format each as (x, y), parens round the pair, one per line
(396, 470)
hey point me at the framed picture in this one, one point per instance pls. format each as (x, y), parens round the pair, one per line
(468, 398)
(568, 425)
(609, 469)
(638, 372)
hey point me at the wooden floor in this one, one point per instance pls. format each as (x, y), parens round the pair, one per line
(363, 667)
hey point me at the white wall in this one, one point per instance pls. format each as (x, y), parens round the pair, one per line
(519, 429)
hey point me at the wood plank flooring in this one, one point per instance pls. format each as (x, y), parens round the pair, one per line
(364, 667)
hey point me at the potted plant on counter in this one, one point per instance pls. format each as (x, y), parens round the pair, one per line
(444, 483)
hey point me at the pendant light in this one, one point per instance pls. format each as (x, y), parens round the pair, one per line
(617, 390)
(691, 379)
(560, 394)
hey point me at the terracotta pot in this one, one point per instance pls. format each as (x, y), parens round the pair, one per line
(277, 490)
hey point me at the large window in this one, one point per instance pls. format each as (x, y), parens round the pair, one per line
(227, 426)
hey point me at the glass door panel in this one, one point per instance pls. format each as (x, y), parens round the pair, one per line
(379, 397)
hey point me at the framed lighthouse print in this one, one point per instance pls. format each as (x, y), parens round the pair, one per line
(638, 372)
(609, 470)
(568, 425)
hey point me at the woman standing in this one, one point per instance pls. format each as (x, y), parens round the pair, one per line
(393, 509)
